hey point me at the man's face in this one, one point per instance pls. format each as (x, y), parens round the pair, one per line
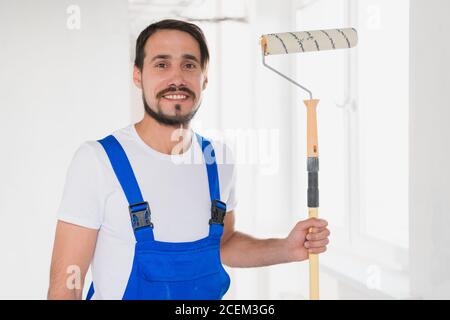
(171, 79)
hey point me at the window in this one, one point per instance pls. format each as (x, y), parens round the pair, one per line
(363, 137)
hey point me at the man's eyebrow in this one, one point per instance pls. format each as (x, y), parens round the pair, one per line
(190, 57)
(168, 56)
(161, 56)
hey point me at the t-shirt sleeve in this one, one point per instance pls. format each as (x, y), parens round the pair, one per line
(82, 201)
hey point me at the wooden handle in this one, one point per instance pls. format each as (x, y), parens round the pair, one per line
(313, 264)
(312, 152)
(263, 43)
(311, 128)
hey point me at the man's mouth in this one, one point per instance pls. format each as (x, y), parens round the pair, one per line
(175, 97)
(173, 93)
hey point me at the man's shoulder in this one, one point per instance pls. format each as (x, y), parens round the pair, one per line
(94, 147)
(121, 133)
(90, 151)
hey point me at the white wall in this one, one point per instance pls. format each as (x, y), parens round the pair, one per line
(58, 87)
(429, 150)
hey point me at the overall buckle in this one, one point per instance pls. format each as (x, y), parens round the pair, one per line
(218, 211)
(140, 215)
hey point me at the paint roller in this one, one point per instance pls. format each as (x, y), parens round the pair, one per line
(302, 42)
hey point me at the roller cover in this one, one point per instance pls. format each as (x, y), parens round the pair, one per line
(309, 41)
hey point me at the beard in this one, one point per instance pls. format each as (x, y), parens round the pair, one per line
(173, 121)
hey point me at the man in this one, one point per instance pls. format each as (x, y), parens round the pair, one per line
(152, 224)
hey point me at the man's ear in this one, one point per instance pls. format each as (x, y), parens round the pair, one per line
(137, 76)
(205, 83)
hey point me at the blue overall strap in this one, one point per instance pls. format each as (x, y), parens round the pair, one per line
(218, 208)
(90, 292)
(124, 173)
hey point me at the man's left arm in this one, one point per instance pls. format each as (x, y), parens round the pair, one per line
(241, 250)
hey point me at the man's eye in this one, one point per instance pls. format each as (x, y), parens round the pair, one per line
(190, 66)
(161, 65)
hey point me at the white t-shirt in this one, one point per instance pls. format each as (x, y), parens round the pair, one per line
(175, 186)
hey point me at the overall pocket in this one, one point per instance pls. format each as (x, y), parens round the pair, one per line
(194, 274)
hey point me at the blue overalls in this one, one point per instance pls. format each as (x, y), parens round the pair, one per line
(171, 270)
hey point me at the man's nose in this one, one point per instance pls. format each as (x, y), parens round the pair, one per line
(176, 78)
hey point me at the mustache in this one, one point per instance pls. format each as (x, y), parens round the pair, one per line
(173, 89)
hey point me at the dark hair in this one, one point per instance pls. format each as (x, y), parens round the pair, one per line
(171, 24)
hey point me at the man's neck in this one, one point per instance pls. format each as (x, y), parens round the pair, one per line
(162, 138)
